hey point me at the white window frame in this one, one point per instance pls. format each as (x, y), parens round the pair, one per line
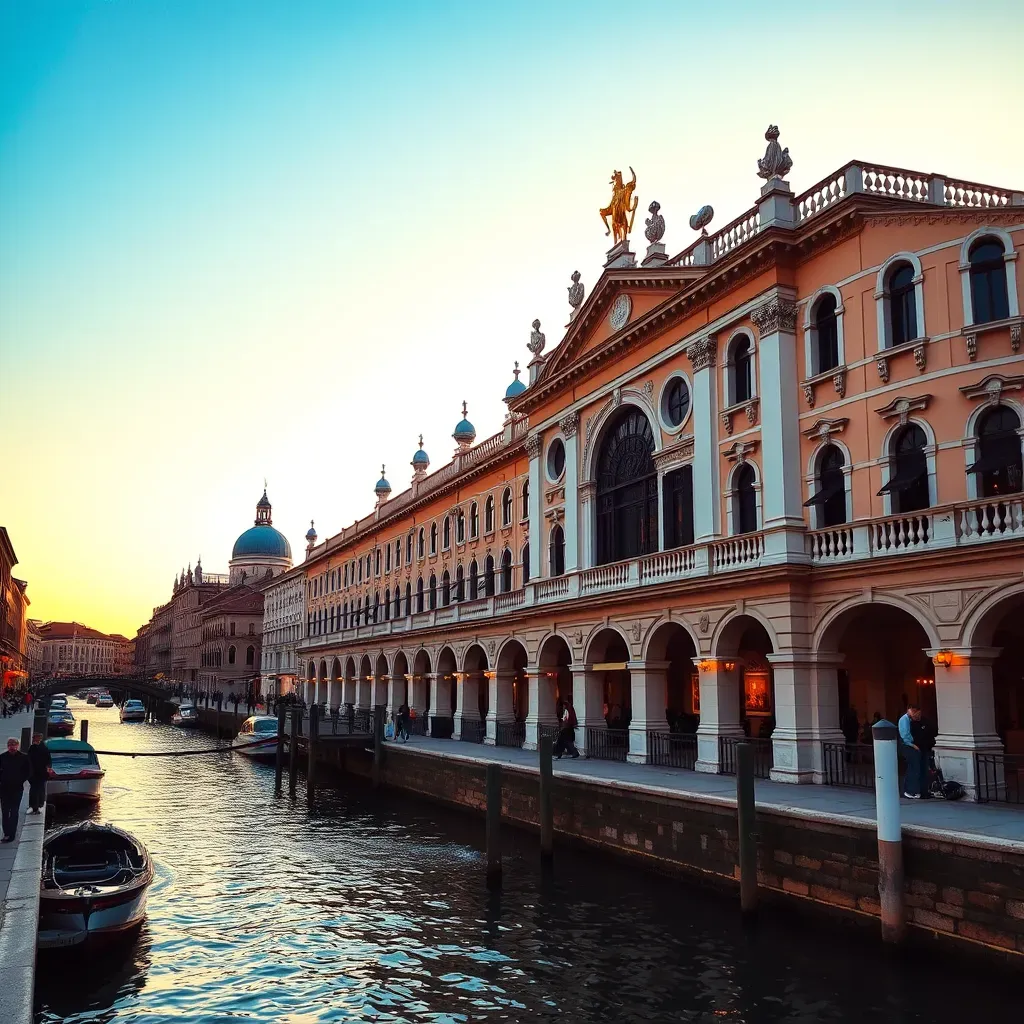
(971, 441)
(729, 369)
(811, 331)
(663, 420)
(811, 481)
(882, 313)
(730, 497)
(1009, 258)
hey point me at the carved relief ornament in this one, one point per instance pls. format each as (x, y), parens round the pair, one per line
(569, 424)
(533, 446)
(702, 353)
(902, 407)
(993, 387)
(775, 315)
(824, 429)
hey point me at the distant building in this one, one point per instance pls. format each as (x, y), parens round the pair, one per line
(284, 607)
(232, 637)
(72, 649)
(14, 604)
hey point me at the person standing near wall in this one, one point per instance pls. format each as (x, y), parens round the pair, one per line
(39, 766)
(914, 784)
(14, 773)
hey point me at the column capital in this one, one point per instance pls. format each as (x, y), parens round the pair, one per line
(533, 446)
(775, 315)
(702, 352)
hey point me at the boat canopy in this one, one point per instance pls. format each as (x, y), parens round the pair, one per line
(62, 746)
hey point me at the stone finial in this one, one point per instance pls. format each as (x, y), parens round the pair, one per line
(537, 339)
(701, 219)
(655, 224)
(776, 162)
(575, 295)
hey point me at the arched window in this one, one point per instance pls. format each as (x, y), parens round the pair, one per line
(989, 295)
(446, 533)
(473, 580)
(398, 554)
(474, 521)
(460, 584)
(744, 500)
(231, 655)
(376, 605)
(387, 558)
(460, 527)
(627, 490)
(489, 515)
(999, 457)
(433, 538)
(829, 496)
(419, 544)
(419, 594)
(332, 618)
(826, 327)
(506, 507)
(741, 375)
(489, 576)
(446, 589)
(506, 570)
(250, 655)
(525, 498)
(908, 476)
(369, 611)
(556, 552)
(386, 604)
(346, 574)
(408, 599)
(526, 563)
(432, 592)
(398, 602)
(408, 550)
(902, 305)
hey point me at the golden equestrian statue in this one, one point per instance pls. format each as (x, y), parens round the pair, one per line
(619, 208)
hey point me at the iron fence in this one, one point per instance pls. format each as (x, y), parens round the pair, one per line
(417, 726)
(727, 755)
(607, 744)
(1000, 778)
(473, 730)
(510, 734)
(548, 730)
(672, 750)
(849, 764)
(442, 727)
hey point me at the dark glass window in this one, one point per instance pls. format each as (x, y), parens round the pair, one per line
(433, 592)
(999, 456)
(472, 580)
(908, 477)
(556, 459)
(446, 588)
(677, 489)
(830, 488)
(419, 594)
(398, 603)
(408, 599)
(902, 304)
(489, 576)
(677, 401)
(526, 564)
(557, 552)
(506, 571)
(827, 328)
(474, 520)
(506, 507)
(447, 533)
(745, 500)
(627, 490)
(742, 379)
(526, 499)
(489, 516)
(460, 585)
(989, 295)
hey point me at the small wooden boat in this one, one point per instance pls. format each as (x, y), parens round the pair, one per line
(94, 884)
(257, 738)
(75, 772)
(186, 716)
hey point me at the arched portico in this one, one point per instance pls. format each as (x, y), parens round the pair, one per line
(472, 699)
(323, 682)
(398, 688)
(443, 695)
(549, 686)
(334, 698)
(381, 675)
(350, 687)
(507, 696)
(421, 684)
(603, 689)
(309, 688)
(364, 688)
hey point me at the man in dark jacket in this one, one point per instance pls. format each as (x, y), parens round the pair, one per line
(39, 760)
(14, 772)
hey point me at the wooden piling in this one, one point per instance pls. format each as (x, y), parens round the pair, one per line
(745, 821)
(26, 737)
(311, 744)
(493, 778)
(378, 743)
(293, 749)
(83, 730)
(279, 756)
(890, 836)
(547, 817)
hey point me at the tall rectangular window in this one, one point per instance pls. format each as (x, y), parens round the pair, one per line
(677, 488)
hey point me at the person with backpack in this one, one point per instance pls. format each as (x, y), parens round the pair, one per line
(566, 743)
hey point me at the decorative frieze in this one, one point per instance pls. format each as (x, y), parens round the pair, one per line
(569, 424)
(702, 353)
(533, 446)
(777, 314)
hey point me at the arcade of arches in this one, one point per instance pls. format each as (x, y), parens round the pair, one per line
(631, 683)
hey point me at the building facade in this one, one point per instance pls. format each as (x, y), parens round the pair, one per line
(71, 649)
(232, 636)
(14, 604)
(284, 607)
(768, 487)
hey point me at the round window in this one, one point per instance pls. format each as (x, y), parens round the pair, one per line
(556, 459)
(676, 404)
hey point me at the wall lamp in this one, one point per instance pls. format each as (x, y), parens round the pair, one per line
(944, 658)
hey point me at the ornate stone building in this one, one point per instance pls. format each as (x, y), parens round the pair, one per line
(769, 486)
(283, 629)
(14, 604)
(70, 649)
(231, 636)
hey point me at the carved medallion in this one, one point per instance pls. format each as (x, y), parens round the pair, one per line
(621, 308)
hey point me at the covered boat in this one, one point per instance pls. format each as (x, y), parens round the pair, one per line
(75, 772)
(186, 716)
(133, 711)
(60, 722)
(257, 738)
(94, 884)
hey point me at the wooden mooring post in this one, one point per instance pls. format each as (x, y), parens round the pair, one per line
(493, 782)
(26, 738)
(279, 756)
(378, 743)
(293, 749)
(745, 821)
(83, 730)
(547, 816)
(311, 744)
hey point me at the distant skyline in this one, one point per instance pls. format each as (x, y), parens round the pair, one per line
(249, 240)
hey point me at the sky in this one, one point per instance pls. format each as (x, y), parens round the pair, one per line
(249, 240)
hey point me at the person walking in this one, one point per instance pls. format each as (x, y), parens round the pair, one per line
(403, 722)
(14, 773)
(914, 781)
(567, 733)
(39, 767)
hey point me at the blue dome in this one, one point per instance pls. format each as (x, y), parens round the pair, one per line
(262, 540)
(464, 429)
(420, 458)
(311, 533)
(516, 388)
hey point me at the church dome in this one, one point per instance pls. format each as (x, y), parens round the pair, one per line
(261, 539)
(516, 388)
(382, 488)
(420, 457)
(464, 430)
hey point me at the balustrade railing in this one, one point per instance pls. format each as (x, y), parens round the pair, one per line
(901, 533)
(668, 565)
(735, 233)
(605, 744)
(605, 577)
(552, 588)
(825, 193)
(1000, 778)
(849, 764)
(727, 755)
(743, 550)
(509, 734)
(672, 750)
(831, 545)
(473, 730)
(510, 599)
(894, 181)
(990, 519)
(971, 194)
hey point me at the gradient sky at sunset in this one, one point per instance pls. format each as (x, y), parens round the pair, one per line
(248, 239)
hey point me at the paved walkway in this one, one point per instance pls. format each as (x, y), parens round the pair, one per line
(971, 822)
(20, 866)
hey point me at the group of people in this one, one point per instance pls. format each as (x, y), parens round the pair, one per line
(399, 724)
(17, 768)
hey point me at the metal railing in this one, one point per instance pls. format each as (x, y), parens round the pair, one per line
(473, 730)
(418, 725)
(605, 744)
(509, 734)
(548, 730)
(1000, 778)
(849, 764)
(672, 750)
(442, 727)
(727, 755)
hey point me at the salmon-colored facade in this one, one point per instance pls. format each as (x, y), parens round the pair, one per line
(770, 487)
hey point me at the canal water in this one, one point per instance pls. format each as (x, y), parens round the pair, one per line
(373, 908)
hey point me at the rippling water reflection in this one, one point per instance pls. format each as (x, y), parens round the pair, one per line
(374, 908)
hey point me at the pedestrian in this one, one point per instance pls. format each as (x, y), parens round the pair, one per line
(914, 783)
(39, 760)
(14, 773)
(403, 722)
(924, 737)
(566, 743)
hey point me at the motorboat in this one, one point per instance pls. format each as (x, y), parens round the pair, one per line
(58, 700)
(133, 711)
(59, 722)
(186, 716)
(94, 884)
(90, 698)
(75, 772)
(104, 700)
(257, 738)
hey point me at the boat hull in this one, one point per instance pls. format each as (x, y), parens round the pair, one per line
(60, 730)
(87, 919)
(265, 752)
(184, 723)
(133, 716)
(73, 789)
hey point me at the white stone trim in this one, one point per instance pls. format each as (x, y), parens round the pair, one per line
(728, 370)
(668, 428)
(811, 332)
(811, 477)
(730, 496)
(552, 480)
(970, 441)
(930, 450)
(884, 321)
(1009, 257)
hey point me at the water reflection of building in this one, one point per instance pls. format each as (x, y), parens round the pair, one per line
(773, 477)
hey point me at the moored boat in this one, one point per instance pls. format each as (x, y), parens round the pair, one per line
(186, 716)
(94, 884)
(133, 711)
(59, 722)
(91, 698)
(75, 772)
(257, 738)
(104, 700)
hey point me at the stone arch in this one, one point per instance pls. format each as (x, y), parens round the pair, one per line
(591, 651)
(475, 701)
(351, 684)
(420, 696)
(609, 647)
(832, 623)
(381, 674)
(400, 690)
(983, 621)
(730, 627)
(335, 696)
(652, 644)
(364, 684)
(598, 425)
(442, 723)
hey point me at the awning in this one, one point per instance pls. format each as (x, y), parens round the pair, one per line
(904, 479)
(825, 494)
(1000, 453)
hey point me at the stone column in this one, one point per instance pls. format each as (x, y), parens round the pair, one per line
(533, 449)
(569, 426)
(348, 693)
(391, 704)
(796, 743)
(587, 521)
(966, 708)
(420, 693)
(825, 720)
(461, 680)
(702, 355)
(380, 690)
(499, 703)
(719, 709)
(588, 699)
(440, 703)
(364, 694)
(779, 407)
(542, 705)
(649, 692)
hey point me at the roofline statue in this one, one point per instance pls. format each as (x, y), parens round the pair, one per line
(619, 209)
